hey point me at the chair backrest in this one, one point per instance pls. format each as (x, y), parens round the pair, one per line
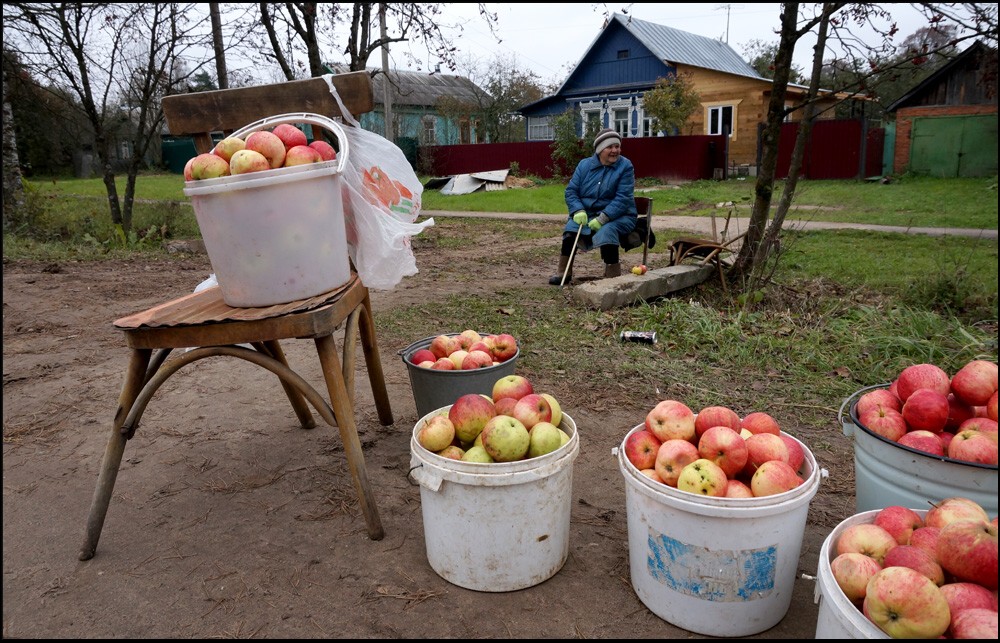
(644, 210)
(227, 110)
(643, 206)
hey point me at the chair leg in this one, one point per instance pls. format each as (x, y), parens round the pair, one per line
(344, 413)
(135, 377)
(350, 346)
(306, 419)
(369, 344)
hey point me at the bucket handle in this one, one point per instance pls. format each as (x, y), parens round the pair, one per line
(418, 476)
(302, 117)
(844, 426)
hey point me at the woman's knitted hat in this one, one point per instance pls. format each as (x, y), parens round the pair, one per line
(606, 138)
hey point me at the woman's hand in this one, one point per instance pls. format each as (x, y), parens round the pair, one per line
(580, 218)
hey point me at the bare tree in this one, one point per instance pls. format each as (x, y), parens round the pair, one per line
(116, 61)
(13, 188)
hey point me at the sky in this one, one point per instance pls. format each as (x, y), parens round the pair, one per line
(549, 38)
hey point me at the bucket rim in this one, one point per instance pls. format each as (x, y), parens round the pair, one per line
(852, 412)
(260, 179)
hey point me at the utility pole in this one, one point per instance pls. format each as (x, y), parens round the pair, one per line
(386, 82)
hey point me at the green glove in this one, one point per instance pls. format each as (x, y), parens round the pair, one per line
(595, 224)
(580, 218)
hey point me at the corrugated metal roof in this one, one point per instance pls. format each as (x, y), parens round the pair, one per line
(676, 46)
(421, 89)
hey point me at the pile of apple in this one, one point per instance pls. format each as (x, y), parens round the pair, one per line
(927, 410)
(284, 146)
(514, 423)
(466, 351)
(715, 452)
(926, 574)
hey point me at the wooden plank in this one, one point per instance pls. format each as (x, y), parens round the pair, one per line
(227, 110)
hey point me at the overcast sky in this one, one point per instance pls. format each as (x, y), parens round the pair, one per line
(550, 38)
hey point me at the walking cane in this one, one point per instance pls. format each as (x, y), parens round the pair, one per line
(572, 253)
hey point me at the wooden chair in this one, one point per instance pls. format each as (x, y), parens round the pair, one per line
(203, 322)
(642, 235)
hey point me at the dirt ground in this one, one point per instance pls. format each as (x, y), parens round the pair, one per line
(230, 521)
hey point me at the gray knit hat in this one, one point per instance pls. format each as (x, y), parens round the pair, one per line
(606, 138)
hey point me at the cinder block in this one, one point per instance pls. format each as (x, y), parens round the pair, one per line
(629, 289)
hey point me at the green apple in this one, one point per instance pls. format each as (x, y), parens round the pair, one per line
(556, 409)
(543, 438)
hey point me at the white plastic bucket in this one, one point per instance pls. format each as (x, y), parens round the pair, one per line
(887, 473)
(276, 236)
(496, 527)
(838, 617)
(715, 566)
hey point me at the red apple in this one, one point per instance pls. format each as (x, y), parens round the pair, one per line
(738, 489)
(926, 410)
(436, 433)
(267, 144)
(852, 571)
(926, 537)
(452, 452)
(866, 538)
(952, 510)
(974, 623)
(980, 423)
(884, 421)
(762, 447)
(925, 441)
(457, 357)
(715, 416)
(325, 150)
(651, 474)
(476, 359)
(641, 448)
(774, 477)
(208, 166)
(899, 521)
(505, 406)
(958, 412)
(422, 355)
(991, 407)
(967, 549)
(916, 558)
(504, 347)
(970, 445)
(920, 376)
(975, 382)
(671, 419)
(760, 422)
(704, 478)
(443, 364)
(290, 136)
(515, 386)
(796, 454)
(724, 446)
(672, 457)
(301, 155)
(963, 596)
(532, 409)
(469, 414)
(904, 603)
(880, 397)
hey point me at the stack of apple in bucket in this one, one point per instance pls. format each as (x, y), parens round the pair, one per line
(514, 423)
(715, 452)
(922, 574)
(284, 146)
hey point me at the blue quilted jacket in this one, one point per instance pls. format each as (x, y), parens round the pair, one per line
(600, 188)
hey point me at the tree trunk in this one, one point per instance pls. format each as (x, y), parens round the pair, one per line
(217, 44)
(13, 188)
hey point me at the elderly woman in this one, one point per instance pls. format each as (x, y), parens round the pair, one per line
(601, 202)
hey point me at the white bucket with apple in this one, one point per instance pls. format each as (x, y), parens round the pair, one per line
(498, 526)
(716, 566)
(889, 473)
(276, 236)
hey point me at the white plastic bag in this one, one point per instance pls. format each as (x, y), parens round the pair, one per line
(381, 205)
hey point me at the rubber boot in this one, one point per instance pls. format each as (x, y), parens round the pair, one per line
(557, 278)
(612, 270)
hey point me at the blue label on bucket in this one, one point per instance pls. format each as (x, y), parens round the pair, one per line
(713, 575)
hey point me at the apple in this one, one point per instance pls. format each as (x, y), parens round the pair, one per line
(866, 538)
(426, 364)
(952, 510)
(904, 603)
(325, 150)
(457, 357)
(975, 382)
(715, 416)
(762, 447)
(946, 437)
(671, 419)
(564, 437)
(477, 454)
(975, 623)
(920, 376)
(738, 489)
(515, 386)
(651, 474)
(247, 161)
(671, 458)
(926, 537)
(796, 454)
(452, 452)
(301, 155)
(436, 433)
(980, 423)
(724, 447)
(926, 410)
(704, 478)
(641, 448)
(422, 355)
(774, 477)
(504, 347)
(505, 406)
(443, 364)
(967, 550)
(888, 423)
(973, 446)
(532, 409)
(228, 146)
(760, 422)
(290, 136)
(852, 571)
(639, 270)
(476, 359)
(916, 558)
(899, 521)
(444, 345)
(991, 408)
(961, 596)
(468, 337)
(208, 166)
(506, 439)
(921, 440)
(469, 414)
(556, 409)
(187, 169)
(958, 412)
(878, 397)
(481, 346)
(267, 144)
(543, 438)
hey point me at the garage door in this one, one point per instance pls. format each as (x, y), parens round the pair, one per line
(952, 146)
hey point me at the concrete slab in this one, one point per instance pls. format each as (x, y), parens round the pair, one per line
(629, 289)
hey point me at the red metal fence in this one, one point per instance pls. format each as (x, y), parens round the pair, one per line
(835, 150)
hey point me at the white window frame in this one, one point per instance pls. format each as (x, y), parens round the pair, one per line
(540, 128)
(428, 130)
(713, 117)
(614, 123)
